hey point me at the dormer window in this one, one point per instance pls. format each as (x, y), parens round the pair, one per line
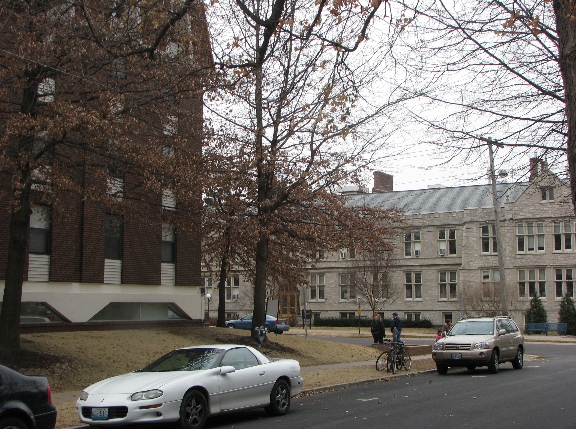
(547, 193)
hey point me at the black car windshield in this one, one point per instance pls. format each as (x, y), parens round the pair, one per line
(473, 328)
(185, 360)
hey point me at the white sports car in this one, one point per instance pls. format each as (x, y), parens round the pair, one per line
(189, 384)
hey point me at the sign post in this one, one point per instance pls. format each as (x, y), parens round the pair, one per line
(359, 313)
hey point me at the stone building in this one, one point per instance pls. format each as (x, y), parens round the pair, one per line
(445, 262)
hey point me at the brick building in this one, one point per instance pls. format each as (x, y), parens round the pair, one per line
(445, 262)
(86, 260)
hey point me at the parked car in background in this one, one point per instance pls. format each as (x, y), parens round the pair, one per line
(482, 341)
(25, 401)
(272, 324)
(187, 385)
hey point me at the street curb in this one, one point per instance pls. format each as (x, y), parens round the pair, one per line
(323, 389)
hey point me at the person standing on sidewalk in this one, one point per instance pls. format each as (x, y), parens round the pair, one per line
(396, 327)
(377, 330)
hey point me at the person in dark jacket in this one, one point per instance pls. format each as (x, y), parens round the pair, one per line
(396, 327)
(377, 330)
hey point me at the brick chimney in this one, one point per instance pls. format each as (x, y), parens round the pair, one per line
(383, 183)
(536, 165)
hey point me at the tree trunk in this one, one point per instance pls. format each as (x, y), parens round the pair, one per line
(259, 315)
(17, 246)
(224, 263)
(566, 28)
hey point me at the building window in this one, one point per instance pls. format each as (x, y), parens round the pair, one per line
(352, 253)
(488, 236)
(491, 284)
(447, 316)
(413, 316)
(563, 236)
(547, 193)
(412, 244)
(168, 253)
(343, 254)
(115, 183)
(532, 281)
(40, 230)
(206, 285)
(413, 286)
(113, 237)
(446, 242)
(232, 287)
(319, 254)
(347, 287)
(530, 237)
(347, 315)
(564, 282)
(448, 285)
(316, 287)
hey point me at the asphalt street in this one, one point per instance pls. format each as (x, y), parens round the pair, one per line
(540, 395)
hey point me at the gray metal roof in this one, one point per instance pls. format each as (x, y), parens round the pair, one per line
(440, 200)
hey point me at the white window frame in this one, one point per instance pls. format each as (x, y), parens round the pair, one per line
(413, 286)
(531, 280)
(447, 286)
(563, 235)
(347, 287)
(206, 286)
(412, 244)
(488, 236)
(547, 193)
(446, 237)
(317, 287)
(416, 316)
(564, 281)
(232, 287)
(490, 278)
(530, 237)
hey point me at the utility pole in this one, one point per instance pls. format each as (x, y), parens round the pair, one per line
(503, 294)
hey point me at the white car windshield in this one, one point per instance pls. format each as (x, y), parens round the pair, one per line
(185, 360)
(473, 328)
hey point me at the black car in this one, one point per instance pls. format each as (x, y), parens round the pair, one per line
(25, 401)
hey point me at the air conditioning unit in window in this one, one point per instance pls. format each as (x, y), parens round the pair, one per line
(441, 252)
(235, 296)
(416, 252)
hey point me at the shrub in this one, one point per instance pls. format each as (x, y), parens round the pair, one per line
(536, 313)
(567, 314)
(366, 322)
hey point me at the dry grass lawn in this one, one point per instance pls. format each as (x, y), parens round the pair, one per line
(74, 360)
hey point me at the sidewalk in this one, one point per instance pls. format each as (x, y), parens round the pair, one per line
(365, 333)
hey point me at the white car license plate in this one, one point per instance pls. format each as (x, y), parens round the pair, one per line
(99, 413)
(456, 355)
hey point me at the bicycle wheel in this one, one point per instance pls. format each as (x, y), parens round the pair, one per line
(391, 362)
(407, 360)
(381, 362)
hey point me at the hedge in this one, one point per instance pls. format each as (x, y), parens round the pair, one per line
(366, 322)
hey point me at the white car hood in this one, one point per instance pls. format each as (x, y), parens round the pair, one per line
(137, 382)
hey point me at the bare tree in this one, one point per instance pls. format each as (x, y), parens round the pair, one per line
(300, 76)
(371, 277)
(487, 70)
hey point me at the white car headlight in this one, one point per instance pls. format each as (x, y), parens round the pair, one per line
(149, 394)
(83, 396)
(482, 345)
(438, 346)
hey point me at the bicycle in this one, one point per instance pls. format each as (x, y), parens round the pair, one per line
(396, 357)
